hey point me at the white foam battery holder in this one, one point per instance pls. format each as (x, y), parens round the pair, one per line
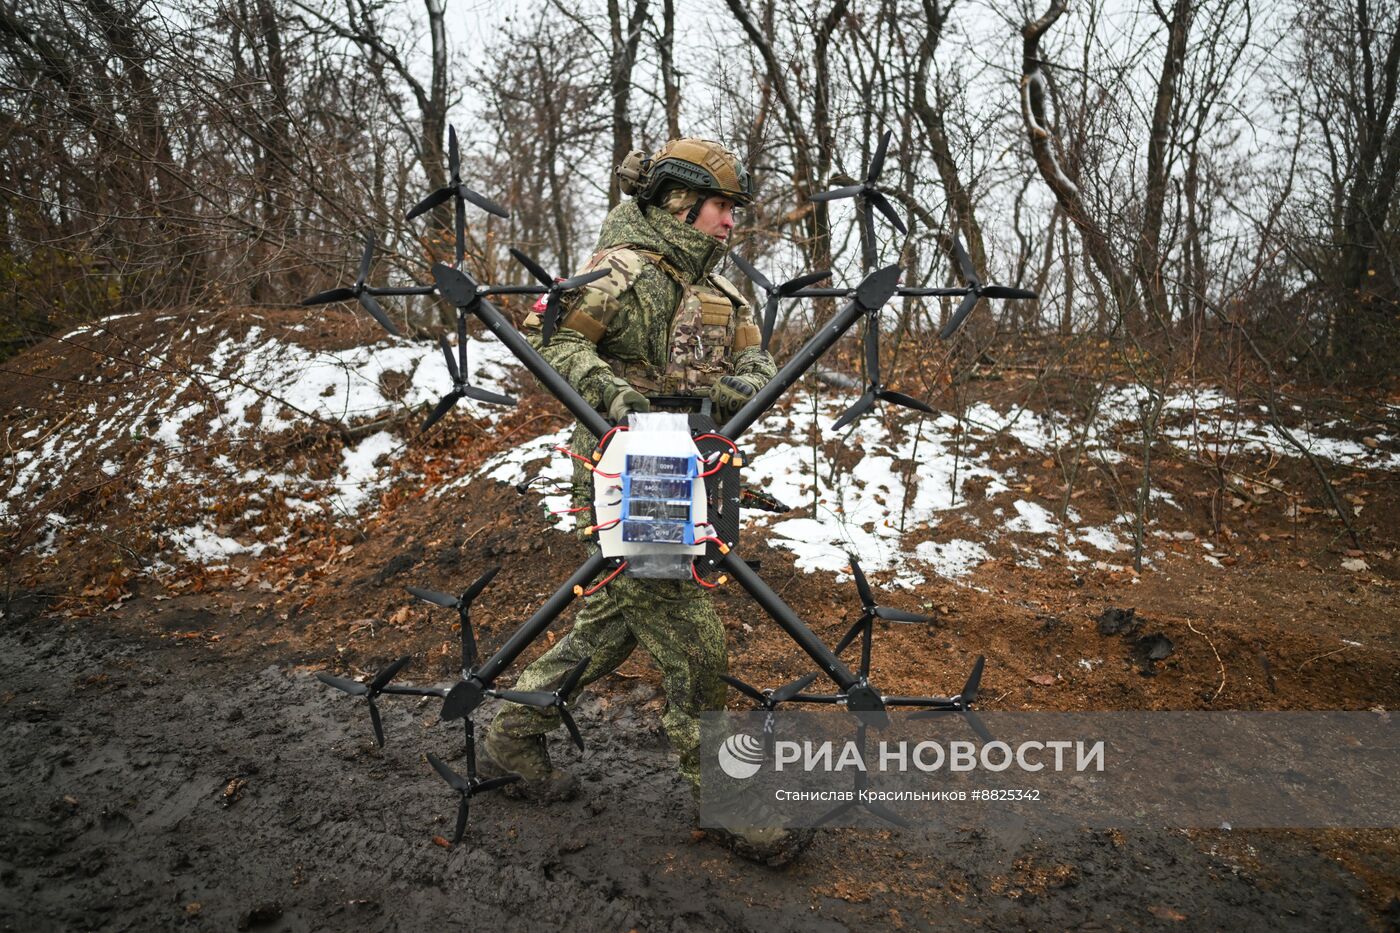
(654, 500)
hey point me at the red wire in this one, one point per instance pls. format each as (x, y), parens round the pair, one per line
(615, 429)
(582, 508)
(717, 541)
(585, 461)
(696, 575)
(610, 577)
(712, 472)
(718, 437)
(607, 525)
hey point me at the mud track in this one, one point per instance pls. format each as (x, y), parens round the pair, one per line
(149, 783)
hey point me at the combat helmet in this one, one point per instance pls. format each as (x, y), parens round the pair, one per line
(691, 163)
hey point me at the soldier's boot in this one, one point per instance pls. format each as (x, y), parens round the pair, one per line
(774, 846)
(528, 757)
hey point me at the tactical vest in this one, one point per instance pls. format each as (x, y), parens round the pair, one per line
(709, 325)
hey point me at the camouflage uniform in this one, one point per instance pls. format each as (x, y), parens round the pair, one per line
(662, 324)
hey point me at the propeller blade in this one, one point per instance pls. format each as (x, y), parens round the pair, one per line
(861, 406)
(539, 698)
(463, 809)
(978, 726)
(388, 673)
(375, 721)
(834, 813)
(849, 191)
(443, 407)
(964, 309)
(570, 683)
(756, 277)
(851, 633)
(549, 321)
(572, 726)
(770, 320)
(582, 279)
(494, 783)
(801, 282)
(872, 349)
(907, 401)
(788, 691)
(882, 204)
(481, 583)
(375, 311)
(533, 267)
(451, 360)
(434, 597)
(326, 297)
(745, 689)
(964, 261)
(878, 162)
(886, 814)
(430, 202)
(974, 681)
(483, 202)
(867, 597)
(454, 160)
(484, 395)
(454, 780)
(1004, 291)
(900, 615)
(366, 258)
(352, 687)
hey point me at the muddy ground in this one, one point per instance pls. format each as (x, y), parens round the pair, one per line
(153, 782)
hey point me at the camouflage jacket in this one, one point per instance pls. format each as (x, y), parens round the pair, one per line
(662, 322)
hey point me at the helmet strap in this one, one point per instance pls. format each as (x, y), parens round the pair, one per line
(694, 214)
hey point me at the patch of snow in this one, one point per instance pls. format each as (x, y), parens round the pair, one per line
(951, 559)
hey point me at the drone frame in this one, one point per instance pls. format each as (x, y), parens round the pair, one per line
(477, 681)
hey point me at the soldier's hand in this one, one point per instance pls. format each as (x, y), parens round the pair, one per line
(730, 393)
(625, 401)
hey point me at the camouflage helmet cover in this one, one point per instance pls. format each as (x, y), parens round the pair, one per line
(694, 164)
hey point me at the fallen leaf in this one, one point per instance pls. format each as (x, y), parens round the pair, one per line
(1371, 442)
(442, 841)
(1044, 680)
(1355, 565)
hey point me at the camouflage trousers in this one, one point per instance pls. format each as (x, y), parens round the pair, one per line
(673, 621)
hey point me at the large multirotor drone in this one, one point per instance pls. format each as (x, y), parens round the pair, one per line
(664, 498)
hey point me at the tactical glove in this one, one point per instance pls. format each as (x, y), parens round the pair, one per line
(627, 400)
(730, 393)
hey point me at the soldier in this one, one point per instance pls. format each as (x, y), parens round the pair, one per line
(663, 324)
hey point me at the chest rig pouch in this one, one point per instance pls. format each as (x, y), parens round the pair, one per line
(702, 340)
